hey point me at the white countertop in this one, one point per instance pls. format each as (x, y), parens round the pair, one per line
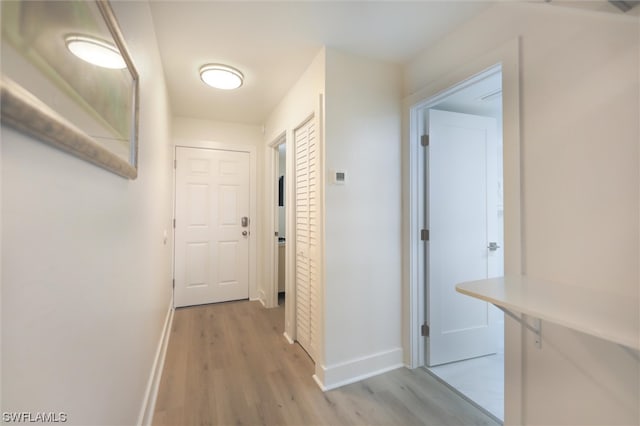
(595, 312)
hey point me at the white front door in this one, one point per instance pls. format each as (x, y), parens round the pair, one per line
(211, 237)
(462, 210)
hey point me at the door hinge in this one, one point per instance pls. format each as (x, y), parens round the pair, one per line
(424, 330)
(424, 140)
(424, 235)
(175, 164)
(174, 224)
(174, 283)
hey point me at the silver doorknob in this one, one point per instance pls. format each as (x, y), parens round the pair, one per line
(244, 233)
(493, 246)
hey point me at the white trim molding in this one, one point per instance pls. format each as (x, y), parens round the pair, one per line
(507, 56)
(288, 338)
(344, 373)
(270, 294)
(145, 417)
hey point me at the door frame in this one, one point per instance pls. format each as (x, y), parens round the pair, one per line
(271, 297)
(253, 211)
(506, 57)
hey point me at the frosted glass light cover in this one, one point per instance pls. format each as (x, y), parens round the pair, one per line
(221, 76)
(96, 52)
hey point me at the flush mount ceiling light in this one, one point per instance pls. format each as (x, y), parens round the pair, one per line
(95, 51)
(221, 76)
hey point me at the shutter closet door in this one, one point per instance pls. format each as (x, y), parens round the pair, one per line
(307, 236)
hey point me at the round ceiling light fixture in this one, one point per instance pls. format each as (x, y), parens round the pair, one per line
(221, 76)
(95, 51)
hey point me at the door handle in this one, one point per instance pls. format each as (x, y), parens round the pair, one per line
(493, 246)
(244, 233)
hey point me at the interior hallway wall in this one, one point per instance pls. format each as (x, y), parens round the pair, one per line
(301, 101)
(363, 219)
(86, 280)
(580, 170)
(194, 129)
(361, 135)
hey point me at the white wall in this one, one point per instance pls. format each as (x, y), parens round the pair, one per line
(86, 276)
(363, 219)
(361, 134)
(300, 102)
(185, 129)
(579, 135)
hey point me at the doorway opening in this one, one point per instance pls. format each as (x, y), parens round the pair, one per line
(282, 220)
(275, 292)
(463, 211)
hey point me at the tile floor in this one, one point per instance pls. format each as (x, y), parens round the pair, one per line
(479, 379)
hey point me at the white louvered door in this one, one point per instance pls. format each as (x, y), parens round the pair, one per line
(307, 220)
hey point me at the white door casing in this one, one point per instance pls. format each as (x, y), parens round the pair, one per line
(506, 59)
(307, 235)
(462, 211)
(211, 252)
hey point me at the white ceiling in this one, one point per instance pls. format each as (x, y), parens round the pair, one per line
(470, 100)
(272, 43)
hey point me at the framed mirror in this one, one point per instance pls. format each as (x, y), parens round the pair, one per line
(68, 80)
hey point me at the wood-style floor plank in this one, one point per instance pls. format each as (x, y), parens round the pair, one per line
(229, 364)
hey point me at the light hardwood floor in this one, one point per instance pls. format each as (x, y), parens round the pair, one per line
(229, 364)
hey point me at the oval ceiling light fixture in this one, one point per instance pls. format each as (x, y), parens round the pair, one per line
(221, 76)
(95, 51)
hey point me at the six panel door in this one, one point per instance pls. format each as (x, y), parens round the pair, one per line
(211, 243)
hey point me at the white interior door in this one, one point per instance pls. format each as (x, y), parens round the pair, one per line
(462, 220)
(211, 240)
(307, 237)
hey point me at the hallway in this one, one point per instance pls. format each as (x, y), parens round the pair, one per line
(229, 364)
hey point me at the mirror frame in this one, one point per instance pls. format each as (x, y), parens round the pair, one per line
(23, 111)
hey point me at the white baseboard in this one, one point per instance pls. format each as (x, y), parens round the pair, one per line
(262, 298)
(337, 375)
(151, 394)
(289, 339)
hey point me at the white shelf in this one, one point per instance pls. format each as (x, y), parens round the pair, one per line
(595, 312)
